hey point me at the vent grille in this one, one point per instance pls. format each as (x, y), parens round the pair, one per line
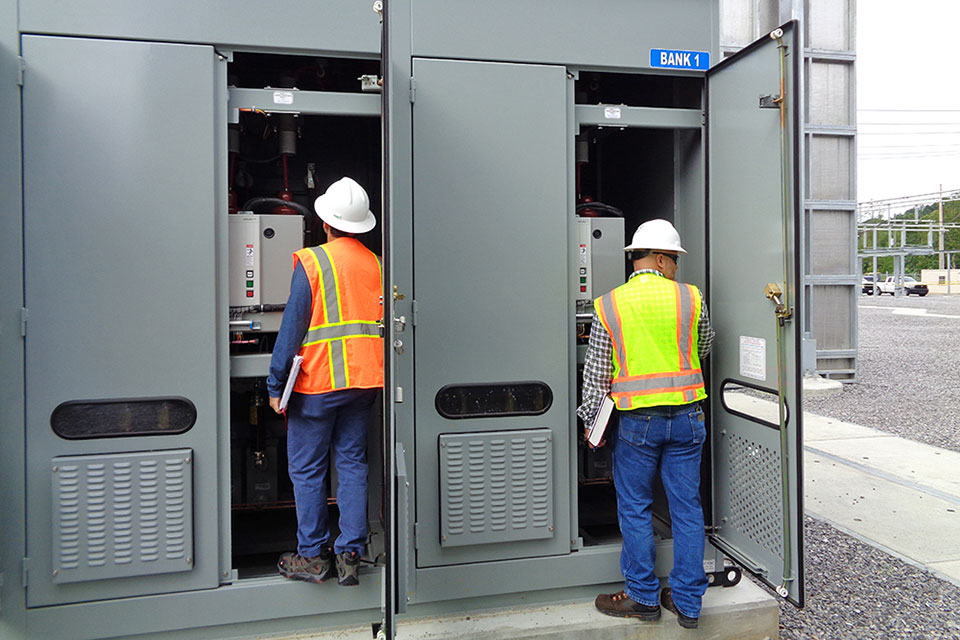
(122, 515)
(756, 506)
(496, 487)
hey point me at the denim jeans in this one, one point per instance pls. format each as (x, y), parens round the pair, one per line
(669, 439)
(314, 423)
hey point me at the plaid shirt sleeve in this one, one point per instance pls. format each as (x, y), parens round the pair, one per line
(597, 370)
(598, 363)
(705, 329)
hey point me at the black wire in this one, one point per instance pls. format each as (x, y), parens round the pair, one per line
(599, 206)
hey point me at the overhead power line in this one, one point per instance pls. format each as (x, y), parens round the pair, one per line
(909, 133)
(910, 110)
(908, 146)
(860, 123)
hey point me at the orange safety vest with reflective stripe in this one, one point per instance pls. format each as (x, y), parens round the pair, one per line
(653, 323)
(342, 348)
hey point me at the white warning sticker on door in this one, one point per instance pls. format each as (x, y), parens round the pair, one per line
(753, 358)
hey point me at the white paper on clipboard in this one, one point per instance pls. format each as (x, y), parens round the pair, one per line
(599, 426)
(291, 380)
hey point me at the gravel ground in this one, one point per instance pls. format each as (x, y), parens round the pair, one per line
(857, 592)
(907, 384)
(908, 372)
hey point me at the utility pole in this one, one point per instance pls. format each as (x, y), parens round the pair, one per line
(940, 256)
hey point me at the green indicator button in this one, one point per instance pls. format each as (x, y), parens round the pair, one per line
(250, 283)
(583, 281)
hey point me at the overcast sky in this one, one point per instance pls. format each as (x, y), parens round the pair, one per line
(908, 97)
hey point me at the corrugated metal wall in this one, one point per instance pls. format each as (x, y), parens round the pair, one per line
(829, 146)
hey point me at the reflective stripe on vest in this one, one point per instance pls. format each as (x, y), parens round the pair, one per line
(332, 335)
(658, 368)
(343, 330)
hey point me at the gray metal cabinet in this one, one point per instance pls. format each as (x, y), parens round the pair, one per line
(120, 142)
(490, 224)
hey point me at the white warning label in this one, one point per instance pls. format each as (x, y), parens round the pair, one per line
(753, 358)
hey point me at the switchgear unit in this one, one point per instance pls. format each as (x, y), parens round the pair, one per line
(260, 262)
(600, 257)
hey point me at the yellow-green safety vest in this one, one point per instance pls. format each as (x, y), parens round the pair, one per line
(653, 323)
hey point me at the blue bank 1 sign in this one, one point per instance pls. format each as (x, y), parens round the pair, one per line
(674, 59)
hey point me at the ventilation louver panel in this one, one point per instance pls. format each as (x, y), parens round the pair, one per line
(122, 515)
(496, 487)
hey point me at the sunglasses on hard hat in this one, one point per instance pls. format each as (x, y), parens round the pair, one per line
(676, 259)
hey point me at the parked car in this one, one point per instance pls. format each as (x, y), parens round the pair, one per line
(868, 285)
(910, 285)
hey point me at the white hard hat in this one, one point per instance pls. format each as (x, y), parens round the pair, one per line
(345, 206)
(657, 235)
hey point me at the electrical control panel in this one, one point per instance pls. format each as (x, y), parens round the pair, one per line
(600, 259)
(260, 262)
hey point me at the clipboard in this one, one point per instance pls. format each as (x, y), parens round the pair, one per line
(291, 380)
(599, 426)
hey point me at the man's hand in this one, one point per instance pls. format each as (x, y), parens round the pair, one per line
(586, 436)
(275, 404)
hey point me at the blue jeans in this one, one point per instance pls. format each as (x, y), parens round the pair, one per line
(669, 439)
(314, 423)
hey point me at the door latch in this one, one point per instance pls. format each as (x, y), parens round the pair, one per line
(399, 324)
(770, 102)
(772, 292)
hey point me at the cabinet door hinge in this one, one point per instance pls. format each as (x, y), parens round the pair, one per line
(21, 67)
(414, 310)
(25, 565)
(413, 90)
(24, 314)
(416, 535)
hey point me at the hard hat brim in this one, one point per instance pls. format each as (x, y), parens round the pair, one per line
(328, 215)
(676, 248)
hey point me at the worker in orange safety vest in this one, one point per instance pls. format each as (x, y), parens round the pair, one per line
(332, 319)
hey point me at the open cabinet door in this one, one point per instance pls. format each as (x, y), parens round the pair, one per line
(395, 118)
(753, 258)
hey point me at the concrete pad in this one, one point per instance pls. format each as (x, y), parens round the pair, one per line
(742, 612)
(819, 387)
(763, 409)
(882, 511)
(814, 427)
(949, 570)
(911, 461)
(817, 428)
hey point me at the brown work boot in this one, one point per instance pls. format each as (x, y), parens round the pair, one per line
(620, 605)
(685, 621)
(296, 567)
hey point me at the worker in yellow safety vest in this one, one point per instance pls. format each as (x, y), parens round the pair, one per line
(647, 342)
(332, 320)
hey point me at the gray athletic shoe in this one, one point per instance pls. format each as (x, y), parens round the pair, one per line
(348, 569)
(296, 567)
